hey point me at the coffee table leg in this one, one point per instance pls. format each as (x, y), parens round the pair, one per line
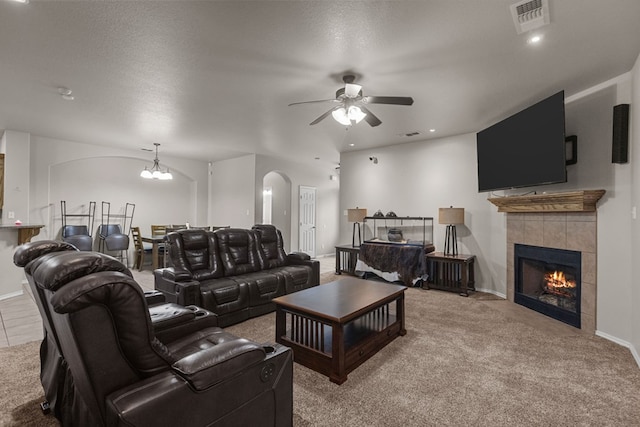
(338, 374)
(281, 326)
(400, 314)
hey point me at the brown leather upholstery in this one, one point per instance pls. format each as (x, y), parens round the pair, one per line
(233, 272)
(120, 373)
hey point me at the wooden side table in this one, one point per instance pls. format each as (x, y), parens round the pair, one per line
(451, 272)
(346, 259)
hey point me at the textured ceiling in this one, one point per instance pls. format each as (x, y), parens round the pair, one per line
(212, 80)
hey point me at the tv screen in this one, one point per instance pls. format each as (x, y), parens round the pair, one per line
(524, 150)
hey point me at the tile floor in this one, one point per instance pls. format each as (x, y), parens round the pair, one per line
(21, 320)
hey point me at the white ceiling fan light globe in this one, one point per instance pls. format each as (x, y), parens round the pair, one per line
(340, 116)
(156, 174)
(166, 175)
(146, 173)
(355, 113)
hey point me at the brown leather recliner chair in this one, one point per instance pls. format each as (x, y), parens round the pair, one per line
(170, 321)
(122, 374)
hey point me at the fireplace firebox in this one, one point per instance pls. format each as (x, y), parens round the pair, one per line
(547, 280)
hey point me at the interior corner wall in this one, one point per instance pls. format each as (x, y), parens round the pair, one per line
(232, 192)
(416, 179)
(79, 173)
(634, 140)
(16, 176)
(15, 146)
(327, 196)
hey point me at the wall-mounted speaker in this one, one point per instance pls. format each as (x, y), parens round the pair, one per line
(620, 150)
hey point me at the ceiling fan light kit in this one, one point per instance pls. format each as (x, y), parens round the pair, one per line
(345, 117)
(352, 103)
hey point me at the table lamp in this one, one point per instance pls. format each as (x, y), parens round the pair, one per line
(356, 216)
(451, 216)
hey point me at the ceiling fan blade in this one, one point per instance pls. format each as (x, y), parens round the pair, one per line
(370, 117)
(394, 100)
(322, 117)
(313, 102)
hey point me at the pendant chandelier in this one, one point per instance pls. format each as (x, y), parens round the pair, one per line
(155, 172)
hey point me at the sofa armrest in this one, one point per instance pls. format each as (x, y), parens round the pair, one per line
(293, 259)
(216, 364)
(179, 292)
(172, 321)
(171, 274)
(300, 256)
(241, 398)
(154, 298)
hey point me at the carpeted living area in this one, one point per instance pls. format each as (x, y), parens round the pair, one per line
(464, 361)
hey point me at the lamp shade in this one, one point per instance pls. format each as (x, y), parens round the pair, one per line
(356, 215)
(451, 215)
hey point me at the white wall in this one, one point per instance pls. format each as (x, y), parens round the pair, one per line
(327, 191)
(15, 146)
(280, 213)
(79, 173)
(43, 171)
(634, 157)
(416, 179)
(232, 192)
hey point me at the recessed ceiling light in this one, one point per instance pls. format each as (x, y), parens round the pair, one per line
(432, 130)
(21, 1)
(66, 93)
(536, 38)
(352, 145)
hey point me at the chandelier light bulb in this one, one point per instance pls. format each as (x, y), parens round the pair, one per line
(155, 172)
(146, 173)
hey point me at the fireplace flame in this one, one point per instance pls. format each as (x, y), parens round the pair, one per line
(557, 283)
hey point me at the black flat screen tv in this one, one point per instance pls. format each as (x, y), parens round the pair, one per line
(524, 150)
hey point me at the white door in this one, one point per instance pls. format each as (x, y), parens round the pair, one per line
(307, 215)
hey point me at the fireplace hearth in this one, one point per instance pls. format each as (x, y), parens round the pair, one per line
(548, 280)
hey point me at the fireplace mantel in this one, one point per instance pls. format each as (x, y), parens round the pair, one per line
(572, 201)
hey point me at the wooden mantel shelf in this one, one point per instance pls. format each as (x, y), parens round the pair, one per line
(572, 201)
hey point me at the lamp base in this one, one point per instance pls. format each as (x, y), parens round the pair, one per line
(356, 225)
(450, 241)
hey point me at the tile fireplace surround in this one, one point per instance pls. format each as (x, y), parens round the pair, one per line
(558, 220)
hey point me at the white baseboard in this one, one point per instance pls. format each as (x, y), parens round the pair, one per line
(623, 343)
(11, 295)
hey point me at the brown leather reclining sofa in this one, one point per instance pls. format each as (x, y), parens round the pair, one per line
(233, 272)
(108, 358)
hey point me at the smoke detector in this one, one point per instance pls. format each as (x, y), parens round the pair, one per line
(530, 14)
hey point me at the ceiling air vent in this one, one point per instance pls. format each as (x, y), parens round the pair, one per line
(530, 14)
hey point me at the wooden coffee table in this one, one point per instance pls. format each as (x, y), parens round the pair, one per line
(334, 328)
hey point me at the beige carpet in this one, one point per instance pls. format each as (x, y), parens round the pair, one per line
(464, 361)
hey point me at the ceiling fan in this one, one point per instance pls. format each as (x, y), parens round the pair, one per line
(351, 104)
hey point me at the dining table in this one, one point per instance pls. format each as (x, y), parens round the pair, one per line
(156, 240)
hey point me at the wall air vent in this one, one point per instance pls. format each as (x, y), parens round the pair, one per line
(530, 14)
